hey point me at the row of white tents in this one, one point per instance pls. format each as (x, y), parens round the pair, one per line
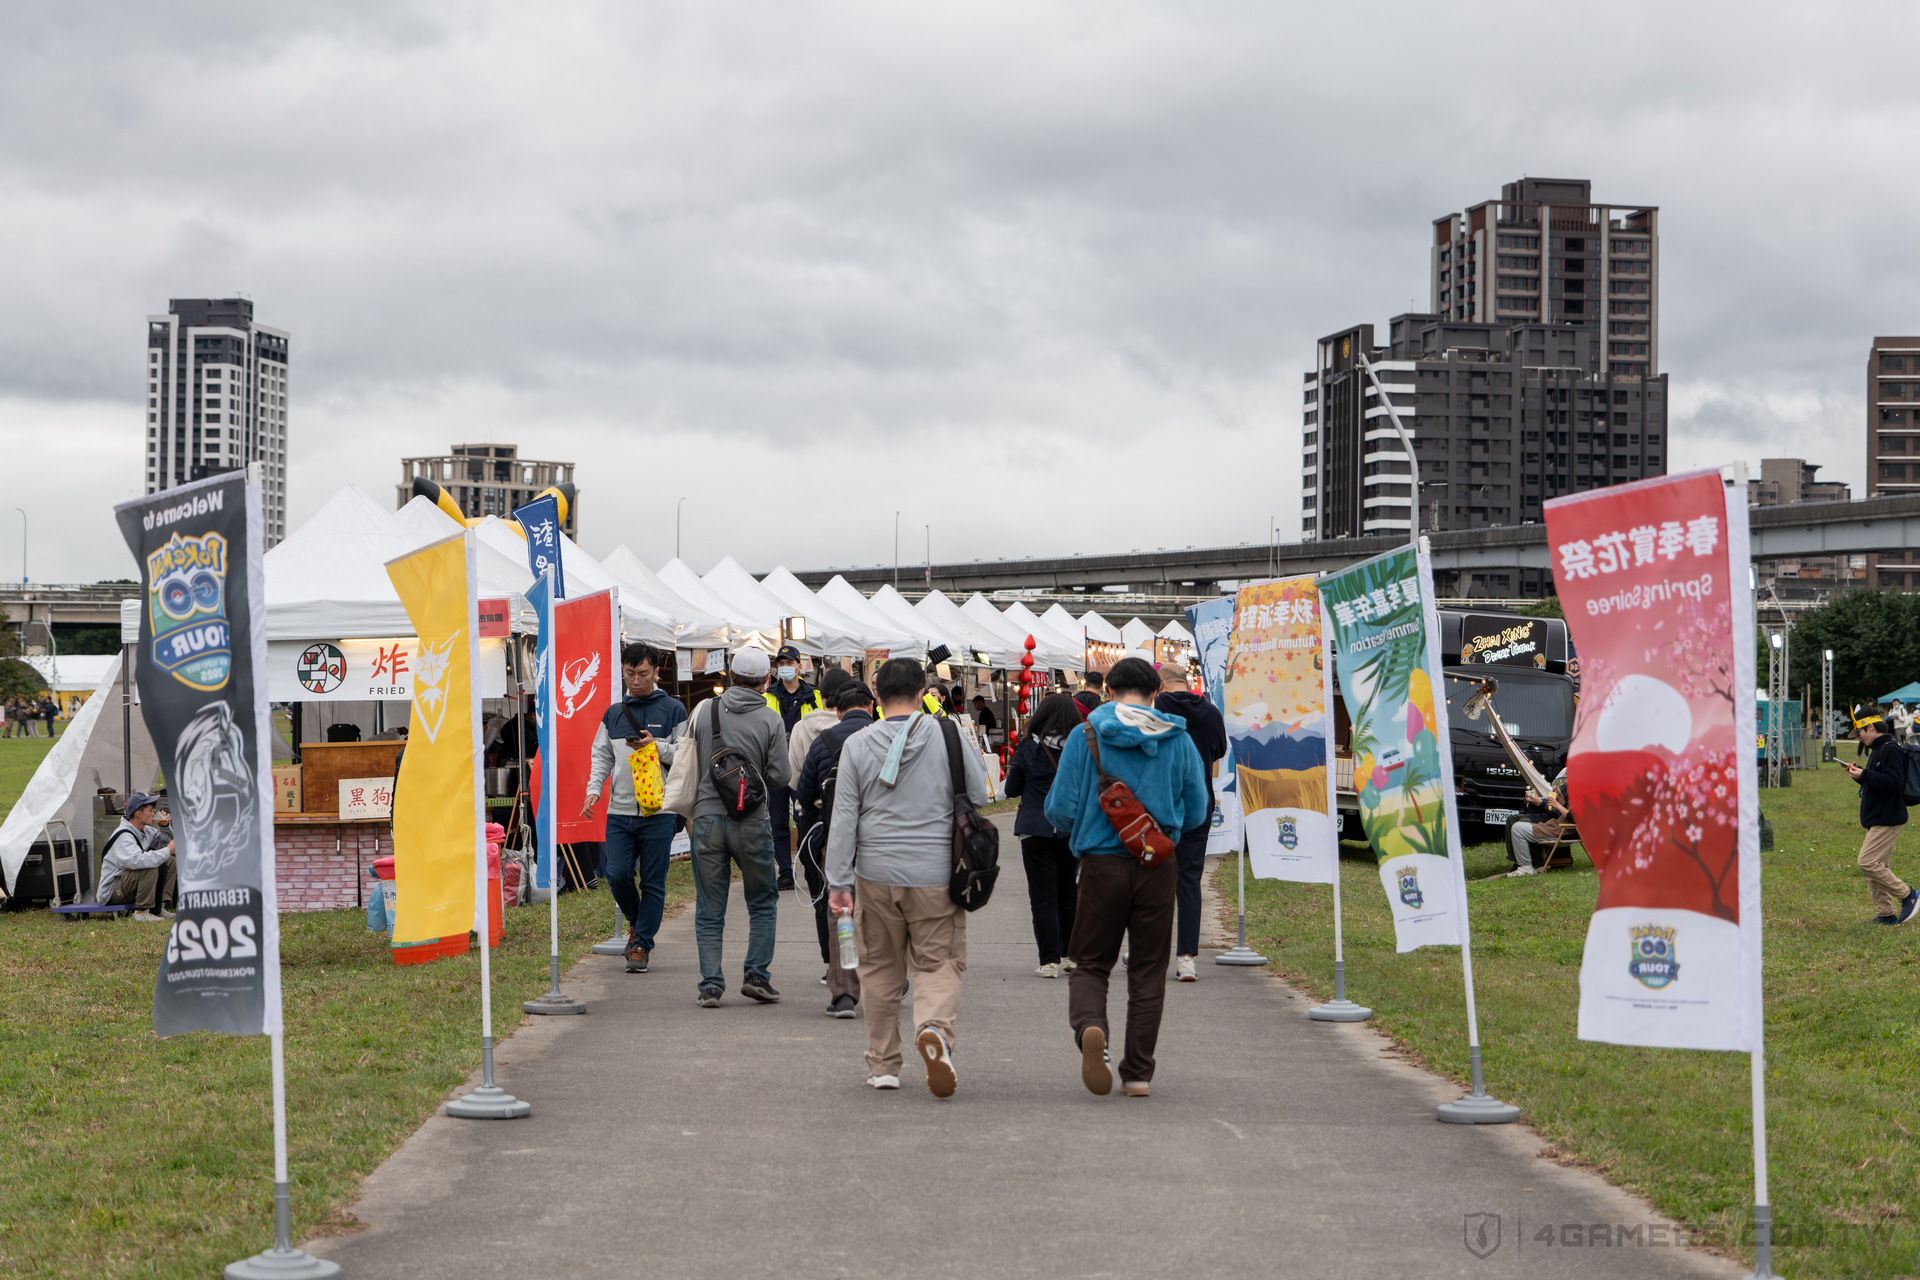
(328, 580)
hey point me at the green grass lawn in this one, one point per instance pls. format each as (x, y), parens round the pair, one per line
(19, 757)
(1843, 1036)
(125, 1155)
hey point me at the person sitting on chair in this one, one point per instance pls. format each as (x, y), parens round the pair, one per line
(137, 865)
(1546, 826)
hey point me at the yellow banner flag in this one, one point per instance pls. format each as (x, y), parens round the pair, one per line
(439, 858)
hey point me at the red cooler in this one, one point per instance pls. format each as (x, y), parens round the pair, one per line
(414, 952)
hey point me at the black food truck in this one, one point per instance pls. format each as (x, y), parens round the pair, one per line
(1537, 674)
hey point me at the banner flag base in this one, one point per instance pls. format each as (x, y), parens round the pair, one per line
(1477, 1107)
(489, 1102)
(283, 1261)
(1339, 1011)
(1241, 954)
(555, 1000)
(614, 946)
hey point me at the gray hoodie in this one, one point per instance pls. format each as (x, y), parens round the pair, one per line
(749, 726)
(903, 834)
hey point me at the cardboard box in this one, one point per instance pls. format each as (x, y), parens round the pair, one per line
(286, 788)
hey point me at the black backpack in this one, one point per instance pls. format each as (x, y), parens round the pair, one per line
(741, 788)
(976, 841)
(1909, 772)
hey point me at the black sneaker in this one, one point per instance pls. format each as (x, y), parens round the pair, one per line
(785, 882)
(843, 1006)
(709, 997)
(759, 989)
(636, 958)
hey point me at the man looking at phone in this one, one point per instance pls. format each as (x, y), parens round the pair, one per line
(1883, 811)
(636, 842)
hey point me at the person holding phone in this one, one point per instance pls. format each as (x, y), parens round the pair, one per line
(637, 843)
(1883, 811)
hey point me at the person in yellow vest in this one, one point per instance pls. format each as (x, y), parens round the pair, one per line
(789, 697)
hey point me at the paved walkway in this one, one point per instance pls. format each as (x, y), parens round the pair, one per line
(672, 1141)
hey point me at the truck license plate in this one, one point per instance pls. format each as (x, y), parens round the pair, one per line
(1498, 817)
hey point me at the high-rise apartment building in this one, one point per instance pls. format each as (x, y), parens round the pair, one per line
(1545, 253)
(1502, 417)
(1784, 482)
(217, 399)
(489, 480)
(1893, 445)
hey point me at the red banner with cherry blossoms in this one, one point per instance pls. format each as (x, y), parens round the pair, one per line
(1652, 578)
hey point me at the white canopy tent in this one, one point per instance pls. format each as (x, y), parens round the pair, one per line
(1046, 654)
(892, 604)
(328, 579)
(422, 521)
(74, 673)
(749, 599)
(872, 633)
(1174, 631)
(693, 627)
(1136, 634)
(846, 597)
(1044, 632)
(742, 628)
(639, 620)
(944, 614)
(1066, 624)
(1098, 628)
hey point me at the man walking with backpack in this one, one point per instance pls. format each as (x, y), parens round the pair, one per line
(1135, 767)
(1883, 811)
(814, 791)
(890, 861)
(740, 748)
(1208, 732)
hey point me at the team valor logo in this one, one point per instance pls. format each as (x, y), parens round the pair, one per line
(187, 605)
(1289, 834)
(432, 667)
(1408, 877)
(1651, 949)
(576, 682)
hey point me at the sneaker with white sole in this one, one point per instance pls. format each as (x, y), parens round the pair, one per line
(1094, 1071)
(1068, 966)
(938, 1056)
(883, 1082)
(1909, 907)
(1184, 969)
(1047, 971)
(148, 917)
(1135, 1088)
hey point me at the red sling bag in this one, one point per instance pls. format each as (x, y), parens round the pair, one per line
(1139, 834)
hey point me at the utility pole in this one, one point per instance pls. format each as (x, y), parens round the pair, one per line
(1826, 703)
(676, 527)
(929, 557)
(1406, 442)
(896, 551)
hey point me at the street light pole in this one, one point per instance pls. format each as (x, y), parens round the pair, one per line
(1406, 442)
(929, 557)
(676, 527)
(896, 551)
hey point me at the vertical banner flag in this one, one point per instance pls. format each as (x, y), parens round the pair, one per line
(541, 788)
(540, 521)
(1210, 622)
(1278, 691)
(1387, 636)
(1652, 577)
(201, 666)
(586, 681)
(440, 863)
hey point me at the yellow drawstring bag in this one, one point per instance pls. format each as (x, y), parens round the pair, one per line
(649, 786)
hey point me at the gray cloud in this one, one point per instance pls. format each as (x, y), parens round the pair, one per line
(1044, 277)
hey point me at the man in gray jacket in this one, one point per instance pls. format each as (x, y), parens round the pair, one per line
(137, 864)
(889, 861)
(720, 838)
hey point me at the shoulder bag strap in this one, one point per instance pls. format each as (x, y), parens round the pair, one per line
(1093, 749)
(718, 740)
(951, 732)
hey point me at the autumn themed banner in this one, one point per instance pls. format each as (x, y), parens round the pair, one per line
(1652, 578)
(1278, 691)
(1387, 637)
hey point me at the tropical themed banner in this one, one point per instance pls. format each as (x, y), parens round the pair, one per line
(200, 666)
(586, 681)
(1652, 578)
(1278, 694)
(440, 863)
(1388, 640)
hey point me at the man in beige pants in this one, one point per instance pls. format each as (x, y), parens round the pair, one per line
(891, 839)
(1883, 811)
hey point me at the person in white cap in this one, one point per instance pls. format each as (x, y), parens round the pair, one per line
(739, 744)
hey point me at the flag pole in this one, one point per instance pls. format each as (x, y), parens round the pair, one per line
(1762, 1205)
(283, 1260)
(489, 1101)
(1338, 1009)
(1241, 954)
(555, 1001)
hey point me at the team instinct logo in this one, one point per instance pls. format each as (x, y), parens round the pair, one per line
(1651, 949)
(576, 682)
(1289, 834)
(432, 668)
(322, 668)
(1408, 878)
(187, 604)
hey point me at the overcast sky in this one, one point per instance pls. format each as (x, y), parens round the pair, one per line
(1042, 276)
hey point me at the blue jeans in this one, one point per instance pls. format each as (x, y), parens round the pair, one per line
(717, 842)
(637, 844)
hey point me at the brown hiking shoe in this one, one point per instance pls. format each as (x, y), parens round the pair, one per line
(636, 957)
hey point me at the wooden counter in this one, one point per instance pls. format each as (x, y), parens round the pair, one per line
(323, 765)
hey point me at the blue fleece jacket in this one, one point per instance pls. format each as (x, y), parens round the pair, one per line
(1163, 770)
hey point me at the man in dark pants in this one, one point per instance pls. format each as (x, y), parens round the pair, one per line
(1119, 898)
(854, 702)
(790, 697)
(636, 842)
(1883, 811)
(1209, 733)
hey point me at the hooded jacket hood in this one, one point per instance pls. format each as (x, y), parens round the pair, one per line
(1141, 728)
(741, 700)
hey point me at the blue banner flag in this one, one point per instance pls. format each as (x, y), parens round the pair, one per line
(1211, 622)
(545, 826)
(540, 520)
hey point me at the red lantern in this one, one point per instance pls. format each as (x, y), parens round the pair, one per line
(1023, 706)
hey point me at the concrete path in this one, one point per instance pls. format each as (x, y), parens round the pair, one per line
(672, 1141)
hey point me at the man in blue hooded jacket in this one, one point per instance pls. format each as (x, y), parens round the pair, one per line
(1119, 898)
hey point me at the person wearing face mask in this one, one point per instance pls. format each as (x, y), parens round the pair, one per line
(789, 697)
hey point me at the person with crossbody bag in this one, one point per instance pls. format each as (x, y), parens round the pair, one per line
(1130, 781)
(907, 856)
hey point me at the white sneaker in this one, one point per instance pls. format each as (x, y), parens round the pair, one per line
(1068, 966)
(883, 1082)
(148, 917)
(1527, 870)
(938, 1056)
(1047, 971)
(1185, 970)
